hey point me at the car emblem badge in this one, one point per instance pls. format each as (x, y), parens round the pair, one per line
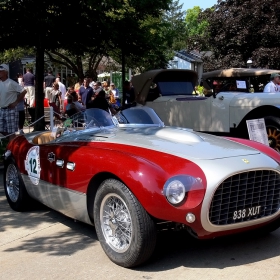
(51, 157)
(246, 160)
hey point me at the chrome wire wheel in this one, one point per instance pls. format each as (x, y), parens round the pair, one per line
(273, 135)
(12, 183)
(116, 224)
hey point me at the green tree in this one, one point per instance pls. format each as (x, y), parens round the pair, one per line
(175, 26)
(77, 27)
(196, 28)
(48, 25)
(243, 29)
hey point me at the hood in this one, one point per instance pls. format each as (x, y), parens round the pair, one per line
(143, 82)
(255, 99)
(182, 142)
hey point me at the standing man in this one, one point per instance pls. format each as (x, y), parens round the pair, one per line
(85, 92)
(273, 85)
(128, 93)
(48, 83)
(62, 89)
(11, 93)
(28, 80)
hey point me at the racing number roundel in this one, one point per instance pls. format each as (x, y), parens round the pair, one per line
(32, 164)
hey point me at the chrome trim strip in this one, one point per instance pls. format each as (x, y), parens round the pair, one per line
(59, 162)
(71, 166)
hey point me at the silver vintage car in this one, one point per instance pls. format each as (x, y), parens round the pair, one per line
(232, 97)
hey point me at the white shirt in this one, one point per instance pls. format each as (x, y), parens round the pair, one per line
(62, 89)
(271, 87)
(9, 91)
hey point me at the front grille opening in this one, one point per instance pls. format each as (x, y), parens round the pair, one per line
(245, 197)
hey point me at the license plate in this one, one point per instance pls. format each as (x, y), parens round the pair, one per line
(247, 212)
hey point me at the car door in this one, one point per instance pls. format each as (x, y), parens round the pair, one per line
(189, 111)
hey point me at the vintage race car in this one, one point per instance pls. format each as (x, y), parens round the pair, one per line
(226, 106)
(129, 173)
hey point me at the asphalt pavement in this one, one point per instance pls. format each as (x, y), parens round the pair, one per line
(44, 244)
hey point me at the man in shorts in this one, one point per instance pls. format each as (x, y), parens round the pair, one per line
(11, 93)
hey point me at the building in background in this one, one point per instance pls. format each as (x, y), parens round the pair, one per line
(188, 60)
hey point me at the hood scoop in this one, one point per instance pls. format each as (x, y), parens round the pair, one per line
(179, 135)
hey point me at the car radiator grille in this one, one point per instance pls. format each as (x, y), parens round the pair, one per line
(244, 191)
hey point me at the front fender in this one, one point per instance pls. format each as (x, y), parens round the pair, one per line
(258, 146)
(145, 172)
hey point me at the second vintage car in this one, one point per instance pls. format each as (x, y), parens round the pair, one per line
(170, 92)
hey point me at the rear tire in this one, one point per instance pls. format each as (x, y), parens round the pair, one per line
(15, 190)
(126, 232)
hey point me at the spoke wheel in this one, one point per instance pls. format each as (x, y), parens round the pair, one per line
(126, 232)
(273, 135)
(273, 132)
(116, 222)
(15, 190)
(12, 183)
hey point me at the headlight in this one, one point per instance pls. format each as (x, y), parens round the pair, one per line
(175, 192)
(177, 188)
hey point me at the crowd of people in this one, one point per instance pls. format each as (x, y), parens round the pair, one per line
(86, 93)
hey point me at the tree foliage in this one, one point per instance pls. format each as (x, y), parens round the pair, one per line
(175, 26)
(243, 29)
(80, 27)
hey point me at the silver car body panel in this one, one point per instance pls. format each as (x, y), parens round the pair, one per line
(218, 158)
(68, 202)
(211, 114)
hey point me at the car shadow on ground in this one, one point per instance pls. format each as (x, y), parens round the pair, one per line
(72, 237)
(175, 249)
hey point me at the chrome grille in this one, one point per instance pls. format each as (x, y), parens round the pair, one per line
(244, 191)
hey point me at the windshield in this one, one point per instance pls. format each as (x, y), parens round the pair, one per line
(93, 118)
(90, 118)
(175, 88)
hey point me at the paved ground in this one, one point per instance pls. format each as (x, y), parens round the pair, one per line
(43, 244)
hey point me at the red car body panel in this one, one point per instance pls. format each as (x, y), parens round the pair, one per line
(145, 172)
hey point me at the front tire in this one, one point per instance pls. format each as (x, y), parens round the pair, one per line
(15, 190)
(125, 230)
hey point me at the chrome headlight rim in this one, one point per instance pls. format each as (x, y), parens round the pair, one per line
(178, 187)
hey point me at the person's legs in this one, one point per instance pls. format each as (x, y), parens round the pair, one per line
(32, 95)
(11, 117)
(2, 123)
(47, 92)
(27, 95)
(21, 119)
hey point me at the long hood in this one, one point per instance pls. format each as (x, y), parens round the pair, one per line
(255, 99)
(181, 142)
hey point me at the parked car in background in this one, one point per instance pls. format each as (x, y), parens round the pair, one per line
(225, 107)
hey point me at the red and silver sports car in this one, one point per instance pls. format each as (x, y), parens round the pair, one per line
(127, 174)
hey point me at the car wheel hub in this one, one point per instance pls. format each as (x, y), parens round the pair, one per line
(12, 183)
(273, 135)
(116, 222)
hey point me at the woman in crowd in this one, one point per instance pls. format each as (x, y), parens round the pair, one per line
(55, 99)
